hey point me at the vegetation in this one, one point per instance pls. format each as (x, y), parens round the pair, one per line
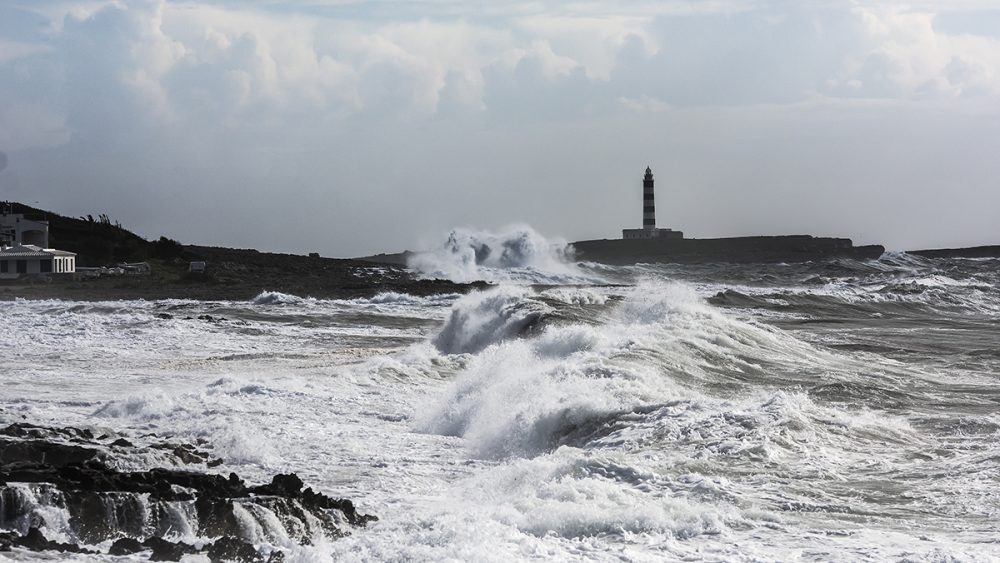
(99, 242)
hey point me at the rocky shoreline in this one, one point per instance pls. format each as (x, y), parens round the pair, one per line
(66, 490)
(237, 275)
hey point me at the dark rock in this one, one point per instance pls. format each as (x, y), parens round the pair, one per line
(25, 430)
(970, 252)
(164, 316)
(125, 546)
(185, 453)
(55, 454)
(36, 541)
(741, 250)
(103, 503)
(214, 463)
(228, 548)
(7, 539)
(281, 485)
(164, 550)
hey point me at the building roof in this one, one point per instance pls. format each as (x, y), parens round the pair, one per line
(32, 251)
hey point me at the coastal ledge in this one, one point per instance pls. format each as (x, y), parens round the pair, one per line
(992, 251)
(756, 249)
(64, 481)
(239, 275)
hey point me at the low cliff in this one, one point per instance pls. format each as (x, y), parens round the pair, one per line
(794, 248)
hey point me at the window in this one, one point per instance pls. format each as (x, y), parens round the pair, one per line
(22, 266)
(45, 266)
(4, 266)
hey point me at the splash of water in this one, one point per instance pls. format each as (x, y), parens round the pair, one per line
(513, 254)
(487, 317)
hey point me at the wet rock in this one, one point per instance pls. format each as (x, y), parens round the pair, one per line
(164, 550)
(25, 430)
(36, 541)
(55, 454)
(125, 546)
(186, 453)
(282, 485)
(99, 503)
(232, 549)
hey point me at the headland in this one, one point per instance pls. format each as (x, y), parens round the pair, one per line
(762, 249)
(652, 244)
(112, 263)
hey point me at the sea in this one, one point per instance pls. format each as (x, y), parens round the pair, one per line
(835, 410)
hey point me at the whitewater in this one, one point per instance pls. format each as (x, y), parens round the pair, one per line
(828, 411)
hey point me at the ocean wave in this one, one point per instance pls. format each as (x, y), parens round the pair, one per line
(198, 414)
(575, 296)
(277, 298)
(515, 254)
(487, 317)
(567, 382)
(394, 298)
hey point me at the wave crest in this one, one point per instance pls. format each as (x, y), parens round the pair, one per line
(513, 254)
(487, 317)
(277, 298)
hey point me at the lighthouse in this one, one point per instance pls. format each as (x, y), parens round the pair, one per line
(648, 202)
(649, 229)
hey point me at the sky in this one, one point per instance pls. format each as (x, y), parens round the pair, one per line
(350, 128)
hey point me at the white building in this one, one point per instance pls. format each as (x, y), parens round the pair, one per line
(24, 249)
(15, 229)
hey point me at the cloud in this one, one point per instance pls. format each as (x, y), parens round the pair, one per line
(904, 56)
(644, 104)
(370, 122)
(11, 49)
(27, 126)
(593, 42)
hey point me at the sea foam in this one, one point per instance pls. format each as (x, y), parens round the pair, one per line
(516, 254)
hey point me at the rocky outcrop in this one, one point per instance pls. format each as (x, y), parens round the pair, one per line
(736, 250)
(970, 252)
(65, 480)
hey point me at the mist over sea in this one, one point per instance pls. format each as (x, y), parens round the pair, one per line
(839, 410)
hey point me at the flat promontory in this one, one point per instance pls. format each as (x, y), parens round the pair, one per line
(970, 252)
(755, 249)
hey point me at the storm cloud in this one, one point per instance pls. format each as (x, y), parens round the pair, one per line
(350, 128)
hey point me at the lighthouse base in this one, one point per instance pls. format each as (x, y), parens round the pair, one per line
(651, 233)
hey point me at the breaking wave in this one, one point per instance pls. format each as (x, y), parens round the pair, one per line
(487, 317)
(523, 396)
(277, 298)
(514, 254)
